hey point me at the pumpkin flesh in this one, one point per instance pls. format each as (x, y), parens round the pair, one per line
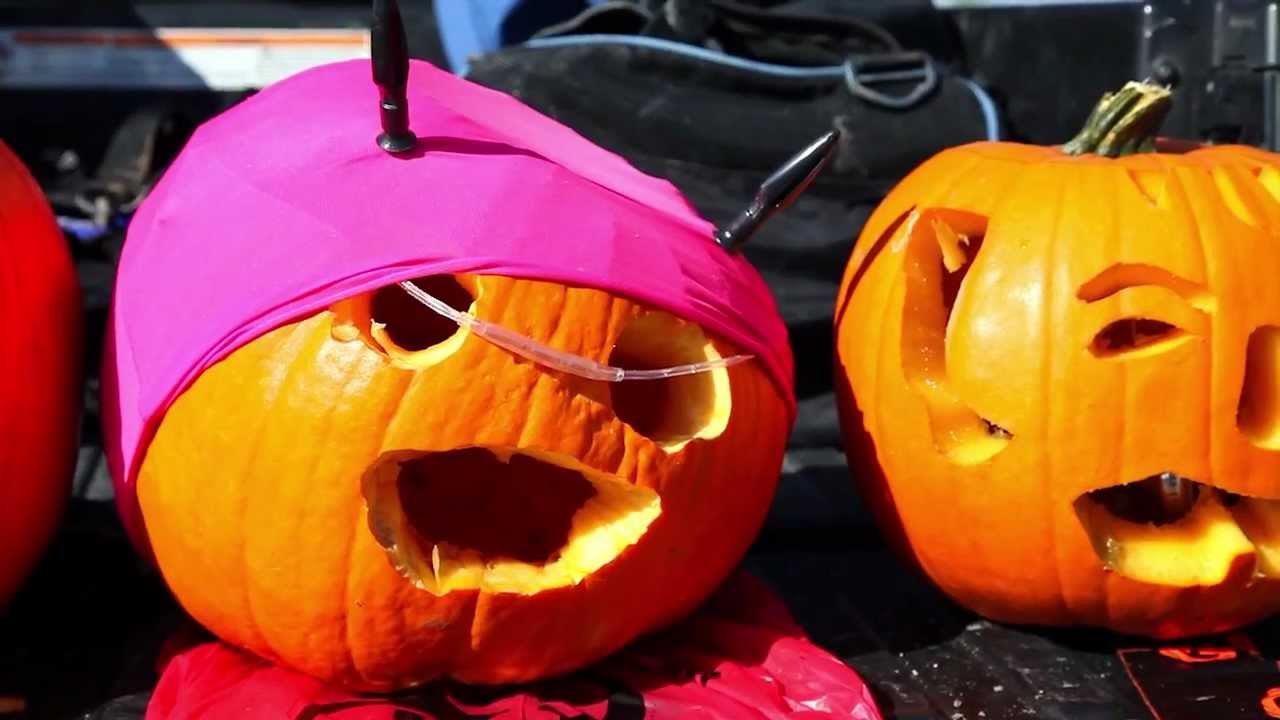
(1202, 547)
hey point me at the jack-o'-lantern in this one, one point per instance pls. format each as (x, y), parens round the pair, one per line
(1060, 375)
(486, 403)
(377, 496)
(40, 383)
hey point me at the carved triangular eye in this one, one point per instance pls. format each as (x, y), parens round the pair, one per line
(1128, 335)
(779, 190)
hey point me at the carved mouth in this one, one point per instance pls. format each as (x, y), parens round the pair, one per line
(501, 520)
(1168, 529)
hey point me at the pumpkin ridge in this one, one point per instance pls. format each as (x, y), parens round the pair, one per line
(311, 341)
(1211, 273)
(314, 459)
(1051, 319)
(295, 339)
(1126, 392)
(890, 293)
(1015, 157)
(358, 523)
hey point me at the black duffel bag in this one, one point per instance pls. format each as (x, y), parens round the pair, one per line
(714, 95)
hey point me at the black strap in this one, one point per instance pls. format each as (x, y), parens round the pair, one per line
(760, 33)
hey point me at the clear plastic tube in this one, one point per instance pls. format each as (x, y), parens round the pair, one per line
(535, 351)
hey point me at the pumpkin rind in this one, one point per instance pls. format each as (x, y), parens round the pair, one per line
(252, 497)
(40, 365)
(1068, 245)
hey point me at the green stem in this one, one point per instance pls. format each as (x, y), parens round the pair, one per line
(1123, 122)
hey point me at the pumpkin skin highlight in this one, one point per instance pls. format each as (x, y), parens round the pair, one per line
(258, 489)
(980, 399)
(40, 373)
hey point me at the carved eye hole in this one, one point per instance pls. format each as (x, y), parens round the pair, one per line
(411, 327)
(672, 411)
(1174, 310)
(1135, 337)
(942, 249)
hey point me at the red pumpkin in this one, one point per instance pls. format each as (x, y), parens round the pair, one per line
(1061, 376)
(40, 382)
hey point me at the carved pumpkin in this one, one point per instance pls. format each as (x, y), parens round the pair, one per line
(1060, 376)
(40, 386)
(376, 497)
(384, 412)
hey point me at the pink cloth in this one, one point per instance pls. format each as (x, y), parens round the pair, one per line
(284, 204)
(741, 657)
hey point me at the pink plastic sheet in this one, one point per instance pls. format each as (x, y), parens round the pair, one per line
(284, 204)
(741, 657)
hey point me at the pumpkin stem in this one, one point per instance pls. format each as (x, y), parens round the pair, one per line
(1123, 122)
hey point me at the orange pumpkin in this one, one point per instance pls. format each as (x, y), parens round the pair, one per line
(1060, 376)
(40, 382)
(377, 497)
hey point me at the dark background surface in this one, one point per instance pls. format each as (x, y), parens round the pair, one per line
(81, 639)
